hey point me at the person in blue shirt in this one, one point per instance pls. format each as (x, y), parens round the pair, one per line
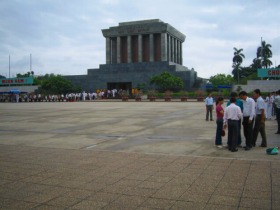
(240, 104)
(209, 101)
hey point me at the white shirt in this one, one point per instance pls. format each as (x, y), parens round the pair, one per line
(277, 101)
(260, 105)
(249, 108)
(232, 112)
(209, 101)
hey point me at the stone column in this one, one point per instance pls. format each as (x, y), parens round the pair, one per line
(128, 49)
(108, 50)
(118, 49)
(175, 51)
(181, 56)
(163, 46)
(151, 47)
(181, 44)
(140, 50)
(170, 48)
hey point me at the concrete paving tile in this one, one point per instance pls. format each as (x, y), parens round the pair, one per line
(258, 187)
(194, 197)
(151, 185)
(224, 200)
(192, 170)
(179, 205)
(93, 186)
(39, 198)
(128, 182)
(144, 192)
(137, 176)
(174, 168)
(275, 205)
(63, 201)
(219, 207)
(231, 185)
(103, 197)
(12, 176)
(119, 207)
(47, 207)
(256, 194)
(197, 166)
(155, 203)
(129, 201)
(228, 192)
(78, 193)
(89, 204)
(116, 189)
(108, 180)
(201, 190)
(164, 179)
(255, 203)
(170, 192)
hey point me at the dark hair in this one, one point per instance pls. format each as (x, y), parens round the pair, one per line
(218, 100)
(233, 94)
(257, 91)
(232, 100)
(243, 93)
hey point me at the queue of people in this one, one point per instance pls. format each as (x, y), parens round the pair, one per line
(250, 113)
(68, 97)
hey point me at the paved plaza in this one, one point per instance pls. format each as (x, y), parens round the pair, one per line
(128, 155)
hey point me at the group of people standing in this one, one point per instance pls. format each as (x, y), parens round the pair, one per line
(246, 111)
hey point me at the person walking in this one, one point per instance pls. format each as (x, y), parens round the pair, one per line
(232, 115)
(277, 110)
(248, 118)
(260, 119)
(219, 122)
(209, 101)
(269, 103)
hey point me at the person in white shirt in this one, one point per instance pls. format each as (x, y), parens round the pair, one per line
(232, 115)
(269, 103)
(248, 118)
(260, 118)
(277, 110)
(209, 101)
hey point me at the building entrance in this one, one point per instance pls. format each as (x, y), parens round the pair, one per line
(119, 86)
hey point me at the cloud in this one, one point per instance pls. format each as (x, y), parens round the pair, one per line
(64, 37)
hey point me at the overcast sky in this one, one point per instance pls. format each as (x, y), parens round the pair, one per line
(64, 36)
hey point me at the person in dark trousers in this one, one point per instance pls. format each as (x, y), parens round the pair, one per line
(209, 101)
(232, 115)
(240, 104)
(260, 119)
(248, 118)
(219, 122)
(277, 110)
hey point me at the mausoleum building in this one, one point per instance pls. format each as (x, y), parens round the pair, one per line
(135, 52)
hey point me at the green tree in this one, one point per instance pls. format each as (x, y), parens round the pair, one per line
(237, 61)
(264, 53)
(221, 79)
(56, 84)
(167, 81)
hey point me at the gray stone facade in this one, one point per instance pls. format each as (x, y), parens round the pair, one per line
(136, 51)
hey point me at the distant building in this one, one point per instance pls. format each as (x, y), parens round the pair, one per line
(135, 52)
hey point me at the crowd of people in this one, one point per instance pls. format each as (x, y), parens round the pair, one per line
(242, 110)
(68, 97)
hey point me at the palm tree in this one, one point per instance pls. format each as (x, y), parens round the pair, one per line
(236, 71)
(264, 53)
(238, 56)
(237, 60)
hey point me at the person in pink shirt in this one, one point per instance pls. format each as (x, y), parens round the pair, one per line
(219, 122)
